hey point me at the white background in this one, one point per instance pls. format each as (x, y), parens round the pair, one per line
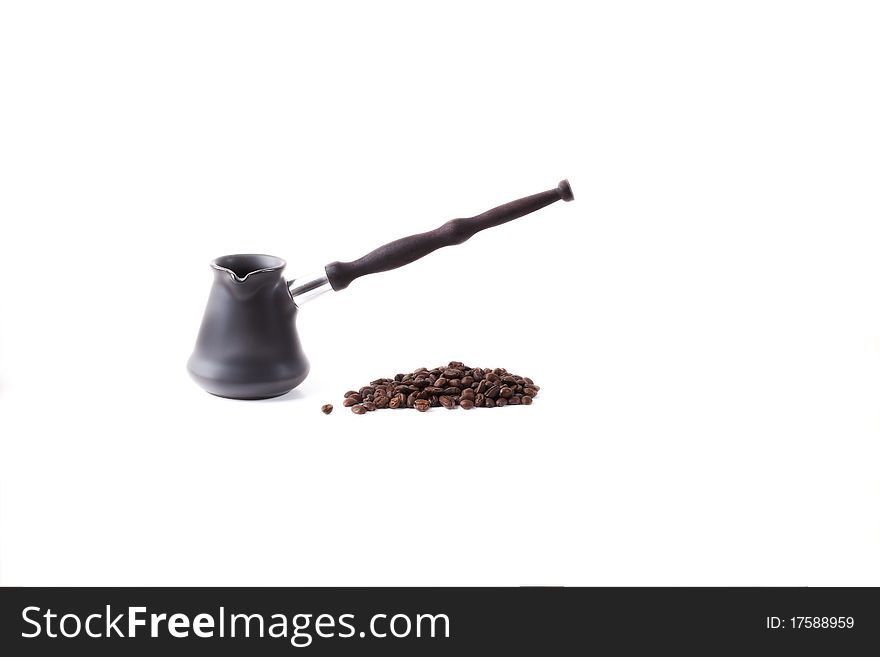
(703, 319)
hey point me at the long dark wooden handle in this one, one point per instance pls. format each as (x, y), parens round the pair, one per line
(455, 231)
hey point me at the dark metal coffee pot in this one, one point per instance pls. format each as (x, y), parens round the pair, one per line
(248, 347)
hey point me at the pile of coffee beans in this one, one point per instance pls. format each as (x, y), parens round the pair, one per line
(453, 385)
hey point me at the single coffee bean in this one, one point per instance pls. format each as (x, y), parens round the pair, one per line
(501, 402)
(358, 410)
(466, 404)
(422, 405)
(454, 383)
(452, 373)
(467, 381)
(395, 401)
(491, 377)
(349, 401)
(468, 393)
(480, 400)
(434, 390)
(513, 401)
(526, 400)
(326, 409)
(370, 406)
(530, 391)
(509, 380)
(490, 403)
(447, 402)
(381, 401)
(452, 391)
(482, 386)
(493, 392)
(440, 382)
(367, 390)
(506, 392)
(350, 393)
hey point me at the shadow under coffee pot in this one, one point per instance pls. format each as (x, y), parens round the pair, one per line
(248, 347)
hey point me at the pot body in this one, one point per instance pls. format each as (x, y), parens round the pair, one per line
(248, 347)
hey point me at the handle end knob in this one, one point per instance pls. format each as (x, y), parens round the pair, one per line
(564, 190)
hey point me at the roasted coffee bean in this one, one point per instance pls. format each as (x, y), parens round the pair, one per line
(326, 409)
(449, 386)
